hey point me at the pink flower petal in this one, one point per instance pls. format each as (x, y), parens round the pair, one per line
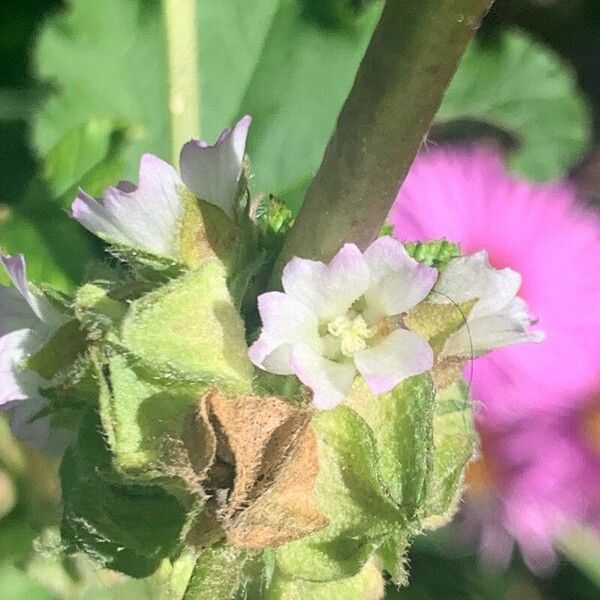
(330, 381)
(213, 173)
(398, 356)
(328, 290)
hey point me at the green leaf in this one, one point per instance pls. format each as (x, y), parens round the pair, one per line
(518, 86)
(368, 584)
(108, 519)
(454, 438)
(189, 332)
(108, 60)
(349, 490)
(402, 425)
(57, 248)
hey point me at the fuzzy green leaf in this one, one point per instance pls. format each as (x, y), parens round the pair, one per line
(402, 424)
(367, 584)
(139, 418)
(108, 519)
(454, 438)
(189, 332)
(349, 490)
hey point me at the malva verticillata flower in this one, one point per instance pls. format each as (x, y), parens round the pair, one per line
(532, 397)
(28, 320)
(498, 317)
(336, 320)
(149, 216)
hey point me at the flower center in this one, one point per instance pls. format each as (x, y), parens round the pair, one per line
(591, 426)
(352, 332)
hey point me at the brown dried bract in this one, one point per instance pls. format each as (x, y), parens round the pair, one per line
(257, 460)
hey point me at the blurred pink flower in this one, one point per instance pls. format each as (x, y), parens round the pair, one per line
(535, 399)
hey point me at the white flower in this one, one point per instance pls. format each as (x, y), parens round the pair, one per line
(336, 320)
(149, 216)
(27, 322)
(498, 318)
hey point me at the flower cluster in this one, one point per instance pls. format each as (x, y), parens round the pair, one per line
(539, 469)
(336, 320)
(360, 439)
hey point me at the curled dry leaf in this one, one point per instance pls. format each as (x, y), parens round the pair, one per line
(255, 459)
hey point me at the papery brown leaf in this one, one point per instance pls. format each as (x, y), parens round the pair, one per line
(257, 457)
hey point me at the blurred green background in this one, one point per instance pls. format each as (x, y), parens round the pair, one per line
(82, 96)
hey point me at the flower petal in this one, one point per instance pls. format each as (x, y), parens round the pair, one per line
(328, 290)
(329, 381)
(13, 315)
(400, 355)
(471, 277)
(285, 322)
(213, 173)
(480, 335)
(147, 216)
(17, 383)
(398, 281)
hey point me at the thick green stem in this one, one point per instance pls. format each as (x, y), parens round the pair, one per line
(184, 86)
(399, 87)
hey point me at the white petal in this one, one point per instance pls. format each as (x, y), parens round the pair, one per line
(285, 322)
(400, 355)
(10, 308)
(213, 173)
(328, 290)
(398, 281)
(17, 383)
(329, 381)
(146, 217)
(471, 277)
(506, 328)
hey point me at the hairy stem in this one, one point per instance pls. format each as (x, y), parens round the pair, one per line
(184, 86)
(399, 87)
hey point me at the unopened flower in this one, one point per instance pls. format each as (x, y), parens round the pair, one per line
(336, 320)
(542, 469)
(498, 318)
(27, 322)
(149, 216)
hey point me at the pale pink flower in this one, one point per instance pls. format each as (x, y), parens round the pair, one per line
(336, 320)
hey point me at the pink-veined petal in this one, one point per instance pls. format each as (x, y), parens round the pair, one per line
(400, 355)
(213, 173)
(329, 290)
(147, 216)
(330, 381)
(399, 282)
(285, 322)
(470, 277)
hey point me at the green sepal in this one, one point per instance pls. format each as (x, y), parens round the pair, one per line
(350, 492)
(222, 573)
(129, 528)
(60, 352)
(455, 441)
(393, 555)
(402, 426)
(367, 584)
(436, 253)
(139, 418)
(188, 331)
